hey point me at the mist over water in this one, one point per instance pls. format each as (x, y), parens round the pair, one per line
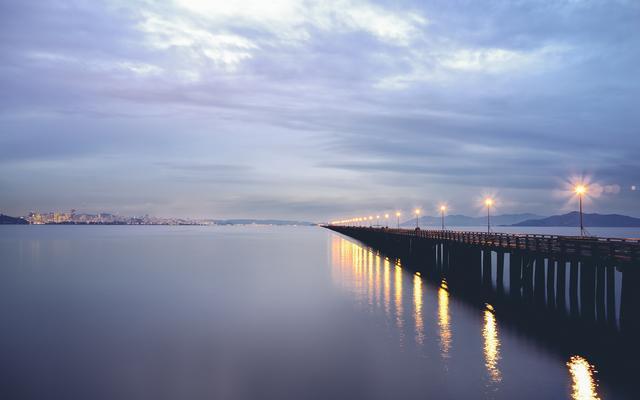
(252, 312)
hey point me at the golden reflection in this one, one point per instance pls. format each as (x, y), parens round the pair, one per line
(370, 279)
(362, 274)
(417, 308)
(386, 281)
(584, 384)
(377, 282)
(491, 345)
(355, 266)
(398, 298)
(443, 320)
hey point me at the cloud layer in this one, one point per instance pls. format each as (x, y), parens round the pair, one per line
(315, 110)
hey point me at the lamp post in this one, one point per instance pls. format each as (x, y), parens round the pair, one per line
(488, 202)
(417, 217)
(370, 220)
(442, 210)
(378, 220)
(398, 218)
(386, 220)
(581, 190)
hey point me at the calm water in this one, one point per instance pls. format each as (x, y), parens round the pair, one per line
(250, 313)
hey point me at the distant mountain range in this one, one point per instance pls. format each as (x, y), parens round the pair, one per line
(463, 220)
(590, 220)
(7, 220)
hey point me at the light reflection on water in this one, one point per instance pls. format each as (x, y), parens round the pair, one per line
(491, 346)
(372, 277)
(387, 288)
(417, 309)
(377, 282)
(398, 302)
(584, 384)
(443, 321)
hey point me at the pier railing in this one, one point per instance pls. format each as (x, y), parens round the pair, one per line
(623, 250)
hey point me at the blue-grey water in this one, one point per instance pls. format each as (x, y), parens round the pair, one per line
(124, 312)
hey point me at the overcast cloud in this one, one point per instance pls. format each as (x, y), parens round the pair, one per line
(317, 109)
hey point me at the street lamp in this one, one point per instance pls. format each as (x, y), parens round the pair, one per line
(378, 220)
(386, 220)
(581, 190)
(488, 202)
(443, 208)
(417, 212)
(398, 213)
(370, 219)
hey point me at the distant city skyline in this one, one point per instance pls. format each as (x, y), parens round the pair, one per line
(318, 110)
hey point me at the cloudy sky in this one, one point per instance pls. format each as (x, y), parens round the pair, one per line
(317, 109)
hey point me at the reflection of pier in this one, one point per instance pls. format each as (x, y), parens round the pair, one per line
(572, 293)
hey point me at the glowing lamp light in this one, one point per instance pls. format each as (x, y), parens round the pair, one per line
(443, 208)
(488, 202)
(580, 190)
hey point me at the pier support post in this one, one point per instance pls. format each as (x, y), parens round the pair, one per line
(515, 275)
(539, 281)
(561, 269)
(630, 302)
(446, 254)
(551, 283)
(486, 268)
(476, 263)
(587, 290)
(500, 272)
(527, 278)
(600, 299)
(611, 296)
(573, 288)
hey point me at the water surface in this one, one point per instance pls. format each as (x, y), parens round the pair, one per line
(106, 312)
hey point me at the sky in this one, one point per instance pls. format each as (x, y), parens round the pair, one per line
(318, 110)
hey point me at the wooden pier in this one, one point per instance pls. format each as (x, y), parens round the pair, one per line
(594, 280)
(619, 250)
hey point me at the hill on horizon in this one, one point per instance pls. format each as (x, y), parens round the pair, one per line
(7, 220)
(572, 219)
(463, 220)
